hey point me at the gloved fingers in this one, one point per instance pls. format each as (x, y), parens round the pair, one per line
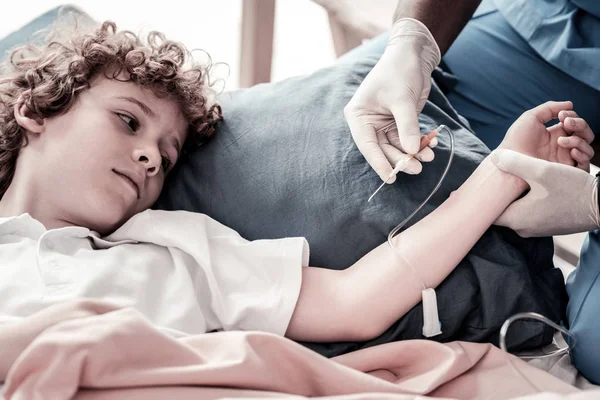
(515, 163)
(534, 171)
(579, 127)
(425, 144)
(391, 152)
(366, 140)
(549, 110)
(407, 122)
(425, 155)
(424, 96)
(413, 167)
(429, 140)
(391, 136)
(512, 218)
(394, 155)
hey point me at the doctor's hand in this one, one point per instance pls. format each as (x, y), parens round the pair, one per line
(396, 89)
(562, 199)
(567, 142)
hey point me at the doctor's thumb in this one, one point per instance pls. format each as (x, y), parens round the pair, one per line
(514, 163)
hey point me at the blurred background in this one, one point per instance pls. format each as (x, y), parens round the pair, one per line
(302, 36)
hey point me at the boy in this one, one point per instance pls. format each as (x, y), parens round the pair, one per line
(90, 128)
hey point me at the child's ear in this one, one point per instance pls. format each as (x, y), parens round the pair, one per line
(28, 119)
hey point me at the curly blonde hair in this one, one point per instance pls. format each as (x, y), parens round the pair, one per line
(49, 77)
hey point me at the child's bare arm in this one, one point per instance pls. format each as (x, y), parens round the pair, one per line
(362, 301)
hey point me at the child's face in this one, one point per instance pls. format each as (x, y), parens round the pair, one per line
(106, 158)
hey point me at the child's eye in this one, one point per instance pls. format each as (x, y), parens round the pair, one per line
(166, 163)
(130, 121)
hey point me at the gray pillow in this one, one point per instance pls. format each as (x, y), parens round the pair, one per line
(283, 163)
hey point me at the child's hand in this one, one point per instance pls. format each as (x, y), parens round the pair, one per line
(567, 142)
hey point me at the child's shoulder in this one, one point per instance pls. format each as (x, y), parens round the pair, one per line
(151, 225)
(186, 221)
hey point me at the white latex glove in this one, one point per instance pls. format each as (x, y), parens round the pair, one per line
(562, 199)
(395, 89)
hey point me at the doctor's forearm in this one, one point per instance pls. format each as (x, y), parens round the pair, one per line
(383, 285)
(444, 18)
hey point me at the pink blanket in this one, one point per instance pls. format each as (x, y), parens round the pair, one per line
(91, 350)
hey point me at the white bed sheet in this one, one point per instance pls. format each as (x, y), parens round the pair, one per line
(560, 365)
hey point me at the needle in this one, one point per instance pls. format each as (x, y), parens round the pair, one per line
(403, 162)
(400, 165)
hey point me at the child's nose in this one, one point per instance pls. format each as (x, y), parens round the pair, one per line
(150, 159)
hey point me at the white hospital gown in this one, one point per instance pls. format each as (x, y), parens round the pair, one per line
(186, 272)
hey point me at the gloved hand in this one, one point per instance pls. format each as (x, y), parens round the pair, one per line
(395, 89)
(562, 199)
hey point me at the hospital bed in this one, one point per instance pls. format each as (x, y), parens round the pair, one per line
(257, 27)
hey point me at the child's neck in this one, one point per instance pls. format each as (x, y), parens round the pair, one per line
(18, 200)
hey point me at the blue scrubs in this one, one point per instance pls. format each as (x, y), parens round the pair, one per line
(512, 56)
(516, 54)
(583, 310)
